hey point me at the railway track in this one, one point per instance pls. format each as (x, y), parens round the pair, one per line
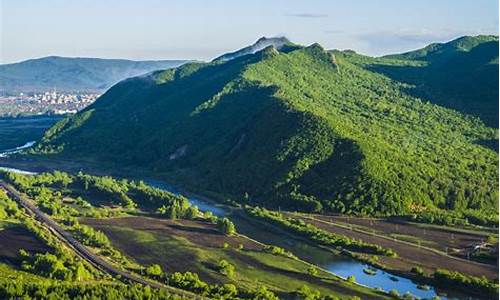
(82, 251)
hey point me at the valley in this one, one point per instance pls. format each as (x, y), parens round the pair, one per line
(167, 243)
(277, 171)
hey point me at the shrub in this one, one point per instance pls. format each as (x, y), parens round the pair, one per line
(154, 270)
(226, 226)
(313, 271)
(456, 279)
(417, 270)
(318, 235)
(275, 250)
(225, 268)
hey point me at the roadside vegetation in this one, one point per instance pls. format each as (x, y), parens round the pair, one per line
(72, 200)
(15, 284)
(317, 235)
(479, 285)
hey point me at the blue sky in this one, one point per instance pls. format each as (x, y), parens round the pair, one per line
(197, 29)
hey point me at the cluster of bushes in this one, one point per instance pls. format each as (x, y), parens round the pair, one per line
(190, 281)
(28, 183)
(480, 285)
(89, 236)
(108, 188)
(59, 255)
(226, 268)
(128, 194)
(153, 198)
(226, 226)
(24, 289)
(450, 218)
(318, 235)
(178, 210)
(8, 207)
(51, 203)
(54, 267)
(307, 293)
(60, 263)
(275, 250)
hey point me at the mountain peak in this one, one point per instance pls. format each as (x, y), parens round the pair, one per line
(260, 44)
(272, 40)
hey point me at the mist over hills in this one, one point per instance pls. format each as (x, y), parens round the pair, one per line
(73, 74)
(306, 129)
(277, 42)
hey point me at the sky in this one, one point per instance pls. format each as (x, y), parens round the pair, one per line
(202, 30)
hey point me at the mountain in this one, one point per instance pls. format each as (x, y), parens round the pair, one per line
(302, 129)
(461, 74)
(73, 74)
(278, 43)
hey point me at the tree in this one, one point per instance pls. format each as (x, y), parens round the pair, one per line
(313, 271)
(225, 268)
(81, 273)
(226, 226)
(154, 270)
(171, 212)
(192, 212)
(3, 214)
(308, 294)
(263, 294)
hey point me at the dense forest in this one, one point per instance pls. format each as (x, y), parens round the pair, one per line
(308, 129)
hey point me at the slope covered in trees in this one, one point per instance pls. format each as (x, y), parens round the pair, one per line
(301, 128)
(73, 73)
(461, 74)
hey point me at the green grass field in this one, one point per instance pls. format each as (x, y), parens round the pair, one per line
(253, 268)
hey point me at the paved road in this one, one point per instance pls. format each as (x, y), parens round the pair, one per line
(80, 249)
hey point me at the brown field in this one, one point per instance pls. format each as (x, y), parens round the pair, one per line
(166, 231)
(409, 255)
(15, 238)
(183, 245)
(201, 233)
(442, 239)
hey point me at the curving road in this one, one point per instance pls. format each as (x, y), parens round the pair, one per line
(81, 250)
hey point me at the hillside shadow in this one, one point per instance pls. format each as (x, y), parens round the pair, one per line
(463, 81)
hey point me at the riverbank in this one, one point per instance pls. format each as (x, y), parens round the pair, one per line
(334, 262)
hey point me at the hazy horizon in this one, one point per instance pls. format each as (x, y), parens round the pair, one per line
(195, 59)
(157, 30)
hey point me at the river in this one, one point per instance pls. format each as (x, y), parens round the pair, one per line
(337, 265)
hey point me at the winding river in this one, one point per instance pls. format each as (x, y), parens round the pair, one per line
(338, 265)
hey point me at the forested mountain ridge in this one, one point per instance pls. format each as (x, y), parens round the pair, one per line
(461, 74)
(73, 73)
(300, 128)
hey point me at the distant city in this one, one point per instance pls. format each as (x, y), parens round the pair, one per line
(48, 102)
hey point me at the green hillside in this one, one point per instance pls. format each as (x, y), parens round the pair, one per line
(461, 74)
(301, 129)
(73, 73)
